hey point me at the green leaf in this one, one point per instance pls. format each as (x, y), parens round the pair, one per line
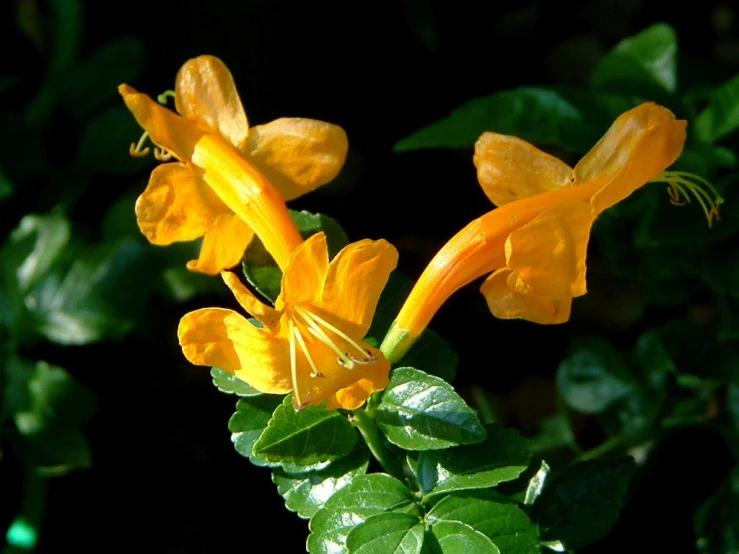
(94, 81)
(102, 295)
(56, 452)
(308, 437)
(593, 376)
(260, 269)
(6, 187)
(536, 484)
(365, 496)
(493, 515)
(641, 63)
(307, 492)
(503, 456)
(457, 538)
(538, 115)
(105, 144)
(581, 504)
(391, 533)
(229, 383)
(43, 397)
(721, 116)
(422, 412)
(716, 522)
(249, 422)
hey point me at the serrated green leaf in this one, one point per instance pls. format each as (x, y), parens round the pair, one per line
(502, 456)
(105, 142)
(538, 115)
(421, 412)
(391, 533)
(365, 496)
(305, 438)
(721, 116)
(493, 515)
(580, 505)
(249, 422)
(95, 80)
(453, 537)
(593, 376)
(306, 493)
(640, 63)
(229, 383)
(260, 269)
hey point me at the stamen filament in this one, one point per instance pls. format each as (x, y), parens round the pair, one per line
(297, 402)
(136, 149)
(681, 185)
(304, 348)
(162, 155)
(321, 335)
(336, 331)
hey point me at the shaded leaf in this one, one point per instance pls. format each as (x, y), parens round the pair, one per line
(721, 116)
(229, 383)
(580, 505)
(421, 412)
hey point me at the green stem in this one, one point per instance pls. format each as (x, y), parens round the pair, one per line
(22, 534)
(364, 421)
(606, 447)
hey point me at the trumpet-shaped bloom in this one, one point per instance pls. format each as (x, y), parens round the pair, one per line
(230, 181)
(534, 243)
(310, 343)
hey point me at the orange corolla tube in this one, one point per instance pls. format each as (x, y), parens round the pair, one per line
(534, 244)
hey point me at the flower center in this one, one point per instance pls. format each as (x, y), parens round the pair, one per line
(301, 320)
(682, 185)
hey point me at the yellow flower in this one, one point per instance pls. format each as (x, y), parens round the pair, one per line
(231, 181)
(535, 242)
(310, 343)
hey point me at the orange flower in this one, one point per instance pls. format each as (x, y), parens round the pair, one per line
(231, 181)
(310, 343)
(535, 242)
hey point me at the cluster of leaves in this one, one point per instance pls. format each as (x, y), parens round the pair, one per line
(683, 370)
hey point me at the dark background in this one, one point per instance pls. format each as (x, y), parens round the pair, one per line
(165, 476)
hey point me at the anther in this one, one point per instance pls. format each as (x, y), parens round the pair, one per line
(681, 185)
(136, 149)
(162, 155)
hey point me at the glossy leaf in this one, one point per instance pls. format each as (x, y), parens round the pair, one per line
(538, 115)
(502, 456)
(593, 376)
(229, 383)
(453, 537)
(536, 484)
(421, 412)
(648, 58)
(391, 533)
(493, 515)
(721, 116)
(249, 422)
(306, 493)
(305, 438)
(260, 269)
(581, 504)
(365, 496)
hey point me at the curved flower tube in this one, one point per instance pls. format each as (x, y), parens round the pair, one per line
(535, 242)
(230, 181)
(310, 343)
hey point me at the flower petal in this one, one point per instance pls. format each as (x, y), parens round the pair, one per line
(173, 132)
(223, 245)
(305, 274)
(205, 92)
(510, 168)
(297, 155)
(354, 281)
(266, 315)
(353, 396)
(656, 151)
(648, 132)
(175, 206)
(507, 303)
(225, 339)
(547, 255)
